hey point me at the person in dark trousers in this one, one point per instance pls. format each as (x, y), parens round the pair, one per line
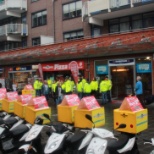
(139, 90)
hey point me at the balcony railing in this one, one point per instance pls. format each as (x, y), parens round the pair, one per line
(142, 1)
(9, 4)
(119, 3)
(20, 29)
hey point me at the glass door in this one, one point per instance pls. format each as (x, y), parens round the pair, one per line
(122, 80)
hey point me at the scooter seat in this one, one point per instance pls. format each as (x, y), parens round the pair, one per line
(1, 121)
(114, 144)
(75, 139)
(19, 130)
(10, 121)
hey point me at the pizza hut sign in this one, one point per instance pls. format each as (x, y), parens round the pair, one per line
(61, 66)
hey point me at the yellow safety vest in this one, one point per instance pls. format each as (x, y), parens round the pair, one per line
(103, 86)
(87, 88)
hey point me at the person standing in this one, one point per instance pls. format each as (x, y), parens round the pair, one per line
(58, 93)
(49, 82)
(103, 90)
(80, 88)
(139, 90)
(68, 86)
(45, 90)
(36, 86)
(87, 88)
(94, 87)
(109, 83)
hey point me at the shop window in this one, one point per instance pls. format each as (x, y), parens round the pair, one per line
(72, 10)
(35, 41)
(73, 35)
(39, 18)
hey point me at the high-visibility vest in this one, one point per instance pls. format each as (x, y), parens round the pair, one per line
(49, 83)
(40, 84)
(87, 88)
(103, 86)
(109, 82)
(68, 86)
(79, 87)
(54, 87)
(36, 85)
(94, 85)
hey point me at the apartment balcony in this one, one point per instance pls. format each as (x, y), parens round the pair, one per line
(12, 8)
(13, 32)
(98, 10)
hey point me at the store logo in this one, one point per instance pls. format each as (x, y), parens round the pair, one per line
(48, 67)
(124, 115)
(60, 67)
(98, 115)
(141, 116)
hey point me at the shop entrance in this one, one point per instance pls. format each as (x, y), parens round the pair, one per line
(122, 80)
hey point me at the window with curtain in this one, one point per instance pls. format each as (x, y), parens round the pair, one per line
(72, 10)
(39, 18)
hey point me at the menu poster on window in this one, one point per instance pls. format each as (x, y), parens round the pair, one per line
(102, 69)
(143, 68)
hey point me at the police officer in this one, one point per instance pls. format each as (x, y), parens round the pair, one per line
(94, 87)
(80, 88)
(36, 86)
(67, 86)
(54, 84)
(49, 82)
(103, 90)
(109, 82)
(87, 88)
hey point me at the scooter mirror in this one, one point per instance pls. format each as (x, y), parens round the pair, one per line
(46, 116)
(121, 126)
(88, 117)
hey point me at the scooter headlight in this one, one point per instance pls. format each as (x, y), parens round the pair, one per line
(53, 145)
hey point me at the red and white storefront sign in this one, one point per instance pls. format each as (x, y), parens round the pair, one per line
(61, 66)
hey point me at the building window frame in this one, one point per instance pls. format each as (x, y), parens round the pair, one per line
(32, 1)
(72, 35)
(72, 10)
(39, 18)
(36, 41)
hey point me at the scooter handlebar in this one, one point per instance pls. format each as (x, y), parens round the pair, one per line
(149, 141)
